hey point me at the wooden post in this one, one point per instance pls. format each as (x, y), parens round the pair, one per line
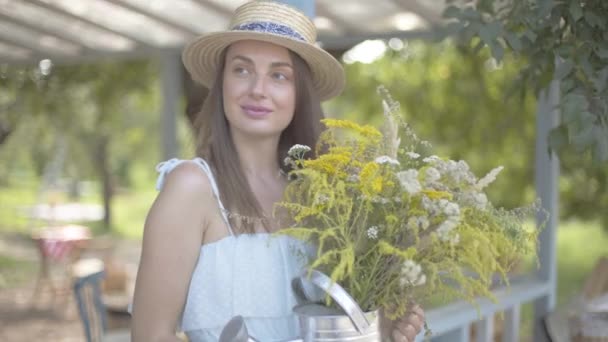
(546, 177)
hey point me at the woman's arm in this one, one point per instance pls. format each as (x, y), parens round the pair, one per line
(173, 234)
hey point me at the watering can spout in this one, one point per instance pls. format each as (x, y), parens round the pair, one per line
(319, 323)
(236, 331)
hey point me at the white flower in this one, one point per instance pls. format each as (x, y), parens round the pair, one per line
(457, 172)
(412, 155)
(297, 151)
(455, 239)
(489, 178)
(451, 209)
(411, 274)
(431, 159)
(480, 200)
(409, 181)
(381, 200)
(287, 161)
(387, 160)
(445, 229)
(321, 199)
(419, 222)
(372, 232)
(432, 175)
(352, 178)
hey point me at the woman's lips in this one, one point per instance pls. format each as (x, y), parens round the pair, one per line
(256, 111)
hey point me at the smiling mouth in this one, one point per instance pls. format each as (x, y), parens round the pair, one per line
(256, 111)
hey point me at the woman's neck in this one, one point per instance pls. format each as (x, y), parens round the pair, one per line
(258, 157)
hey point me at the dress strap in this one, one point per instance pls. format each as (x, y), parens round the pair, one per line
(167, 166)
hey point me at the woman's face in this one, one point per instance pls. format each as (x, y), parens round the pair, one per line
(258, 88)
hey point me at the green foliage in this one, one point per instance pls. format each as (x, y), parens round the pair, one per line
(456, 98)
(562, 40)
(390, 228)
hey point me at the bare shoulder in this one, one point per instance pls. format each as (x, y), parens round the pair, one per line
(187, 179)
(184, 201)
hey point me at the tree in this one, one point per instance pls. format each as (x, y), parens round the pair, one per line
(564, 40)
(98, 108)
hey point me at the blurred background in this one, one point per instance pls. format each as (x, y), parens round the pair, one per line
(92, 97)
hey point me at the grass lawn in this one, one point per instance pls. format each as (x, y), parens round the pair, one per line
(579, 246)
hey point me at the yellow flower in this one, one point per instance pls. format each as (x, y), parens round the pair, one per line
(332, 164)
(435, 195)
(366, 131)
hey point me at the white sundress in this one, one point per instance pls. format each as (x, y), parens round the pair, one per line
(248, 275)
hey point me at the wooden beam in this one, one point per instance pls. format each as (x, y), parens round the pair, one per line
(346, 42)
(225, 11)
(346, 26)
(185, 30)
(42, 51)
(60, 11)
(45, 31)
(424, 12)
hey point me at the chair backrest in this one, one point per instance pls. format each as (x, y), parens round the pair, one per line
(87, 290)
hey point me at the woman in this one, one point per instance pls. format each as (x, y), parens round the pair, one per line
(207, 251)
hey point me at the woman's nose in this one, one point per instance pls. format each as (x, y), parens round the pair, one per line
(258, 87)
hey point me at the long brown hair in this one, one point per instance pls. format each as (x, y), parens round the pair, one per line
(214, 143)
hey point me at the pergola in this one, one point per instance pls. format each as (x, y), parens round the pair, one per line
(77, 31)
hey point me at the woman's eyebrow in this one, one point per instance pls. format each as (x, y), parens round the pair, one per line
(273, 64)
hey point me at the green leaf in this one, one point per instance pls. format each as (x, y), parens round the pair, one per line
(530, 35)
(583, 138)
(564, 51)
(513, 41)
(452, 12)
(498, 52)
(601, 80)
(602, 52)
(545, 7)
(454, 27)
(489, 33)
(564, 69)
(572, 105)
(593, 20)
(600, 150)
(587, 68)
(566, 86)
(471, 14)
(575, 10)
(558, 138)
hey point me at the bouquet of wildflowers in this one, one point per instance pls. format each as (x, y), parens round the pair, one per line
(391, 225)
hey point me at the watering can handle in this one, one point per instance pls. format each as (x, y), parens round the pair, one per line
(337, 292)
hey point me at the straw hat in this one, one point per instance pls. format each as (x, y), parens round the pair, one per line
(272, 22)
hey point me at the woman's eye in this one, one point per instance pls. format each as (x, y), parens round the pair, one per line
(279, 76)
(241, 71)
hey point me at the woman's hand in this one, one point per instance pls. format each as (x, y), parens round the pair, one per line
(409, 326)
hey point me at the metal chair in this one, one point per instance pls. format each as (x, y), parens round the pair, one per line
(89, 275)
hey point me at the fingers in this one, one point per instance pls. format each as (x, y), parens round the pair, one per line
(399, 336)
(407, 330)
(415, 321)
(409, 326)
(418, 311)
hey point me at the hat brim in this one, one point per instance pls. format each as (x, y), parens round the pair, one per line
(202, 56)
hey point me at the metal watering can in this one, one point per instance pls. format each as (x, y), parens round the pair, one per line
(319, 323)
